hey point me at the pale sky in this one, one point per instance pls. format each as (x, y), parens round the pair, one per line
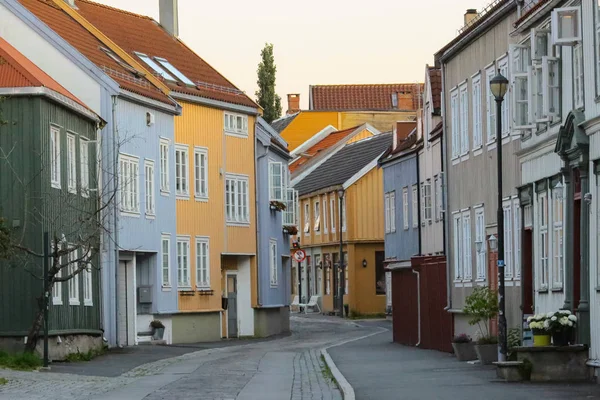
(316, 41)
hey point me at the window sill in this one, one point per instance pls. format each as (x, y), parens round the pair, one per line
(505, 139)
(274, 286)
(180, 196)
(467, 284)
(184, 288)
(202, 288)
(557, 289)
(166, 288)
(597, 100)
(236, 134)
(464, 157)
(165, 193)
(458, 283)
(60, 303)
(88, 304)
(239, 224)
(74, 302)
(516, 137)
(130, 214)
(150, 216)
(491, 145)
(478, 151)
(72, 190)
(201, 199)
(85, 193)
(55, 185)
(543, 291)
(455, 161)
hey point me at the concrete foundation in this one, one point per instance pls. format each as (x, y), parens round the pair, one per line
(557, 364)
(271, 321)
(196, 327)
(59, 347)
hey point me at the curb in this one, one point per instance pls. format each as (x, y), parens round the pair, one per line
(340, 380)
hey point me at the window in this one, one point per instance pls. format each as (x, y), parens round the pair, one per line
(464, 120)
(415, 206)
(88, 280)
(290, 213)
(183, 262)
(57, 287)
(508, 239)
(149, 175)
(390, 221)
(426, 202)
(71, 164)
(174, 71)
(543, 222)
(181, 170)
(477, 134)
(73, 283)
(455, 126)
(273, 262)
(155, 67)
(275, 181)
(327, 272)
(324, 202)
(55, 157)
(236, 124)
(306, 218)
(237, 202)
(490, 106)
(557, 241)
(166, 261)
(566, 26)
(130, 183)
(84, 163)
(332, 213)
(439, 201)
(344, 216)
(388, 224)
(480, 238)
(202, 263)
(466, 236)
(597, 20)
(317, 216)
(201, 172)
(578, 75)
(505, 107)
(521, 76)
(405, 207)
(457, 246)
(517, 226)
(164, 166)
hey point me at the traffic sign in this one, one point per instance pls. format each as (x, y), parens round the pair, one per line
(299, 255)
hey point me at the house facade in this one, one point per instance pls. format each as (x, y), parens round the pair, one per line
(467, 65)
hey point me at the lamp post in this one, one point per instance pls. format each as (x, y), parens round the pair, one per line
(498, 87)
(341, 267)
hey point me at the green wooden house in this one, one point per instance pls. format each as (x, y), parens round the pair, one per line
(48, 183)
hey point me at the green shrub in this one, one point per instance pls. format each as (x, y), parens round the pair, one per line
(482, 306)
(20, 361)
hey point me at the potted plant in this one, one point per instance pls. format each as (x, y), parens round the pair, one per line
(158, 329)
(464, 348)
(561, 326)
(539, 324)
(290, 229)
(482, 306)
(276, 205)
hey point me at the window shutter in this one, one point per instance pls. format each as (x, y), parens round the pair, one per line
(566, 26)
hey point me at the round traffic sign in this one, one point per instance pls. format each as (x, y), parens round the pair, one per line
(299, 255)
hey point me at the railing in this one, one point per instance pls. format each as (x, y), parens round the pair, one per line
(480, 14)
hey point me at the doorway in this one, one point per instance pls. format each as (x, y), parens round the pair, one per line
(126, 307)
(577, 252)
(232, 306)
(527, 271)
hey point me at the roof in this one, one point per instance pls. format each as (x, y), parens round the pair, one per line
(376, 97)
(345, 163)
(435, 80)
(322, 145)
(281, 123)
(88, 45)
(406, 146)
(529, 9)
(137, 33)
(17, 71)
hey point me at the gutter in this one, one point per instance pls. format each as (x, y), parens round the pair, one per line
(419, 206)
(446, 233)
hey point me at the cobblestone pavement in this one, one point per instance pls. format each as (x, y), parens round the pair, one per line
(288, 368)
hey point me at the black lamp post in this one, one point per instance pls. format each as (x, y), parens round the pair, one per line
(499, 86)
(341, 266)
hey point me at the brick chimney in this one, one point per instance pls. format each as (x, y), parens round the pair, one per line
(401, 132)
(293, 103)
(405, 101)
(470, 15)
(169, 16)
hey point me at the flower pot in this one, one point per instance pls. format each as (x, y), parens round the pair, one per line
(464, 351)
(561, 338)
(487, 353)
(158, 333)
(541, 340)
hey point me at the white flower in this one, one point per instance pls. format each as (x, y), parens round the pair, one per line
(546, 324)
(550, 314)
(573, 318)
(554, 318)
(563, 320)
(529, 319)
(566, 312)
(569, 323)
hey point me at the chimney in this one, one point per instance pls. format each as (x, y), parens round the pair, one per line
(404, 128)
(169, 16)
(470, 16)
(293, 103)
(405, 101)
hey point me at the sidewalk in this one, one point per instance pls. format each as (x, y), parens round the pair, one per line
(379, 369)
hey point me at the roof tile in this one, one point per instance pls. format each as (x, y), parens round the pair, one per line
(324, 144)
(435, 80)
(376, 97)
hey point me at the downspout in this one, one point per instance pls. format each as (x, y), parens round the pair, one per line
(445, 227)
(115, 214)
(420, 231)
(418, 305)
(99, 182)
(258, 252)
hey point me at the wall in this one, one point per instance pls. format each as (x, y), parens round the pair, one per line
(364, 202)
(430, 165)
(382, 120)
(362, 281)
(245, 311)
(196, 327)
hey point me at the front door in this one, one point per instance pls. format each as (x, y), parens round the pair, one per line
(126, 303)
(232, 320)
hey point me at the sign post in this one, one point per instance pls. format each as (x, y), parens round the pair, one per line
(299, 255)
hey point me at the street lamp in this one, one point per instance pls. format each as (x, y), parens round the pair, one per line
(499, 86)
(558, 191)
(341, 267)
(493, 242)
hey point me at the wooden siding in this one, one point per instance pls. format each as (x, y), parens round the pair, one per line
(363, 134)
(203, 126)
(381, 120)
(430, 165)
(28, 135)
(365, 207)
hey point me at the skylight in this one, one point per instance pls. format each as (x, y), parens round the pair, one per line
(174, 71)
(155, 67)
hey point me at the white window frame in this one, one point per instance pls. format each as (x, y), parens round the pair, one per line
(57, 287)
(578, 77)
(405, 207)
(558, 38)
(202, 262)
(597, 47)
(327, 280)
(543, 257)
(290, 214)
(184, 279)
(182, 171)
(237, 200)
(71, 163)
(455, 123)
(480, 236)
(457, 245)
(129, 182)
(73, 283)
(427, 210)
(201, 173)
(490, 72)
(84, 165)
(521, 82)
(477, 122)
(467, 249)
(88, 286)
(344, 216)
(55, 158)
(415, 206)
(155, 67)
(273, 272)
(235, 124)
(558, 243)
(464, 119)
(307, 218)
(149, 188)
(164, 148)
(165, 238)
(439, 201)
(166, 64)
(388, 224)
(317, 217)
(325, 212)
(508, 238)
(517, 233)
(332, 214)
(276, 187)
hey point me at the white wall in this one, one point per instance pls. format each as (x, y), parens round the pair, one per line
(245, 310)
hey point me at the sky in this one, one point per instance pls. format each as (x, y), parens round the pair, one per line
(316, 41)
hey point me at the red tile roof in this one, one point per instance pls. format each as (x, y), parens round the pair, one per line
(17, 71)
(87, 44)
(324, 144)
(376, 97)
(435, 79)
(133, 32)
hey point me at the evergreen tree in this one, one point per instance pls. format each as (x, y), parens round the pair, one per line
(266, 96)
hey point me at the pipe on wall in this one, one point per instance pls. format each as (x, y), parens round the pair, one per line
(420, 230)
(256, 208)
(446, 234)
(115, 185)
(418, 306)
